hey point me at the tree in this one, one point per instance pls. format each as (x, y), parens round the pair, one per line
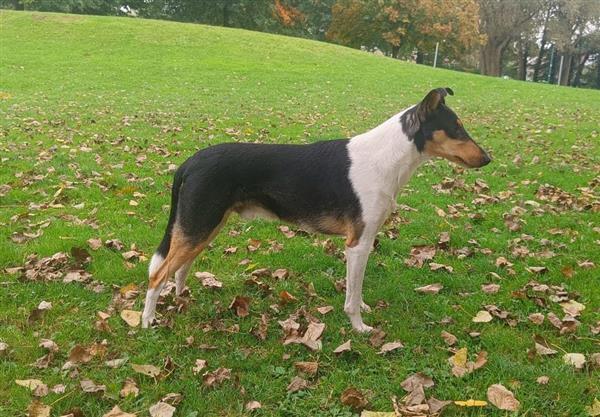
(502, 21)
(406, 23)
(574, 31)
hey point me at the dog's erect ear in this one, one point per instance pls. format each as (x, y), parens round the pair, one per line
(431, 102)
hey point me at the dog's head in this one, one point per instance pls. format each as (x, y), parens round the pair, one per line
(437, 131)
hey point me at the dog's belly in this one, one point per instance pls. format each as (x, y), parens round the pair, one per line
(251, 212)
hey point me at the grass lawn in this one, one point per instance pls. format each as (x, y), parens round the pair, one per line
(96, 112)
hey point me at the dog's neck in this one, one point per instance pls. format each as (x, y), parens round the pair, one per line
(388, 153)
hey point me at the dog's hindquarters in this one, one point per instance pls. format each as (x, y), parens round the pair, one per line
(198, 211)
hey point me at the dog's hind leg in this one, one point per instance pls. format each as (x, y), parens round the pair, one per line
(180, 277)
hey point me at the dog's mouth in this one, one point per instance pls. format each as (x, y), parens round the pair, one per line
(461, 161)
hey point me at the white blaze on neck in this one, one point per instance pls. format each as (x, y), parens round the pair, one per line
(382, 161)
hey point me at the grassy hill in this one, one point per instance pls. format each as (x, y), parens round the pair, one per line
(97, 111)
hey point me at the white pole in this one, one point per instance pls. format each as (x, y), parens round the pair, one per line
(560, 68)
(437, 46)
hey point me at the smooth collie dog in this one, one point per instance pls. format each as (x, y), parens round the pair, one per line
(342, 187)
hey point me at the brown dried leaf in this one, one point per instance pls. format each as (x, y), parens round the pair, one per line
(449, 338)
(87, 385)
(131, 317)
(416, 380)
(241, 305)
(149, 370)
(389, 347)
(352, 397)
(117, 412)
(297, 384)
(344, 347)
(502, 398)
(162, 409)
(430, 289)
(309, 368)
(216, 377)
(129, 388)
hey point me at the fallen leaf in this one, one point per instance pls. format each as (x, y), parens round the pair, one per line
(536, 318)
(131, 317)
(297, 384)
(280, 274)
(37, 409)
(129, 388)
(366, 413)
(471, 403)
(482, 316)
(420, 254)
(415, 380)
(309, 368)
(241, 305)
(149, 370)
(389, 347)
(352, 397)
(208, 280)
(575, 359)
(117, 412)
(571, 307)
(430, 289)
(594, 409)
(253, 405)
(543, 380)
(502, 398)
(31, 384)
(325, 309)
(344, 347)
(449, 338)
(216, 377)
(435, 405)
(435, 267)
(116, 363)
(87, 385)
(286, 297)
(161, 409)
(490, 288)
(200, 365)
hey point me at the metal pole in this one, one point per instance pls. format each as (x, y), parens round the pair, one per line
(551, 64)
(437, 47)
(562, 58)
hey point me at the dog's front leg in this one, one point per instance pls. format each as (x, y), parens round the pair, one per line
(356, 263)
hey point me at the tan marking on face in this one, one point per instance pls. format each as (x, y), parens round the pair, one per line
(459, 122)
(464, 152)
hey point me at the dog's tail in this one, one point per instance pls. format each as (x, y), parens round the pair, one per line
(165, 244)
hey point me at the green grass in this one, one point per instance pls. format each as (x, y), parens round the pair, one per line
(84, 98)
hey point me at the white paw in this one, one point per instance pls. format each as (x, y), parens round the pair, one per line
(364, 307)
(362, 328)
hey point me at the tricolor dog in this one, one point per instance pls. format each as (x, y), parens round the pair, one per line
(339, 187)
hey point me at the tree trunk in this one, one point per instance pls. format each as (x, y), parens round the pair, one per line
(420, 57)
(577, 78)
(18, 4)
(395, 51)
(522, 60)
(490, 59)
(226, 22)
(542, 51)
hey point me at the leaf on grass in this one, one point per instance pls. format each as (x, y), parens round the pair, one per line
(471, 403)
(31, 384)
(87, 385)
(482, 316)
(575, 359)
(117, 412)
(430, 289)
(94, 243)
(297, 384)
(571, 307)
(200, 365)
(131, 317)
(216, 377)
(309, 368)
(116, 363)
(129, 388)
(594, 409)
(389, 347)
(366, 413)
(490, 288)
(435, 267)
(435, 405)
(502, 398)
(149, 370)
(162, 409)
(325, 309)
(344, 347)
(286, 297)
(208, 280)
(543, 380)
(352, 397)
(253, 405)
(536, 318)
(241, 305)
(415, 380)
(38, 409)
(449, 338)
(420, 254)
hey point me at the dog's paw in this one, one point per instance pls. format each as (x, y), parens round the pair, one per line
(363, 328)
(364, 307)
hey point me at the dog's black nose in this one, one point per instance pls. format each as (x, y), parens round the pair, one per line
(486, 159)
